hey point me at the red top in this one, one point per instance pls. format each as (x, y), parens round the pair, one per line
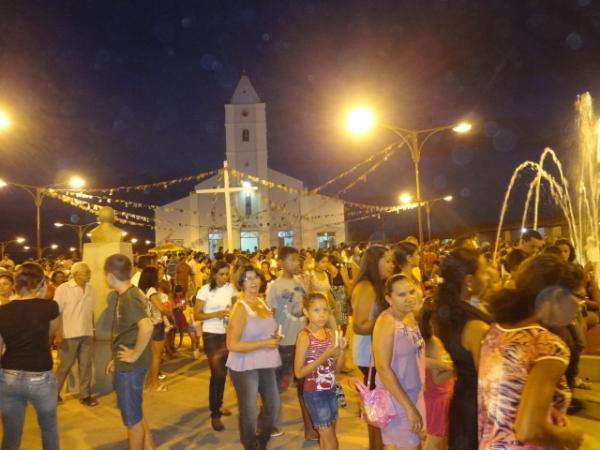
(323, 377)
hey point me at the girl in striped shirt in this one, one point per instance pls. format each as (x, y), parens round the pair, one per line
(319, 354)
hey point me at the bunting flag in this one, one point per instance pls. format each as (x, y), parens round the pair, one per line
(144, 187)
(386, 152)
(363, 177)
(292, 190)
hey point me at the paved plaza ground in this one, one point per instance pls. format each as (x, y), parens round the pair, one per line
(180, 419)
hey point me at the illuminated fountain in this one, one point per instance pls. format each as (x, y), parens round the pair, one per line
(582, 216)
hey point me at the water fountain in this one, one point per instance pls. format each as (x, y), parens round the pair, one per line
(582, 220)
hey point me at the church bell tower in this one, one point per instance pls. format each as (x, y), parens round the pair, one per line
(246, 130)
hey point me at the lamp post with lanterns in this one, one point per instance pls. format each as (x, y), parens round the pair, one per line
(361, 120)
(79, 229)
(428, 204)
(3, 245)
(38, 193)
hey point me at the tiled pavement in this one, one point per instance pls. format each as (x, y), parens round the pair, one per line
(180, 420)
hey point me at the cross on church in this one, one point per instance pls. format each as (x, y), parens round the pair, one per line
(227, 190)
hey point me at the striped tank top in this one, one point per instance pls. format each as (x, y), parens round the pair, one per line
(323, 377)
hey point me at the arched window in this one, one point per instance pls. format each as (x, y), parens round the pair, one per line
(245, 135)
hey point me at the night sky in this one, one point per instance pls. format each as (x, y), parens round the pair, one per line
(130, 92)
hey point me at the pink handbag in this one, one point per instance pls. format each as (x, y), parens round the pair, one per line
(377, 406)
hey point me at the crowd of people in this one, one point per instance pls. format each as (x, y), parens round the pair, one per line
(464, 349)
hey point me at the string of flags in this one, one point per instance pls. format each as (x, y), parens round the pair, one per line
(363, 177)
(158, 184)
(387, 152)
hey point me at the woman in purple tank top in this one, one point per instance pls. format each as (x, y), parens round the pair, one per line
(253, 342)
(399, 354)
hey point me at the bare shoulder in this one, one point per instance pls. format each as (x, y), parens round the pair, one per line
(385, 322)
(476, 327)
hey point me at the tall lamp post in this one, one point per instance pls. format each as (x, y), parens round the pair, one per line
(5, 244)
(428, 204)
(361, 120)
(38, 193)
(79, 229)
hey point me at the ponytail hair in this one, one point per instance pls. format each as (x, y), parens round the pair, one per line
(450, 315)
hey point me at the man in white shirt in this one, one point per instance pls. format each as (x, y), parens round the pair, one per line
(76, 301)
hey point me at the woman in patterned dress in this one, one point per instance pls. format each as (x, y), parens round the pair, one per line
(523, 393)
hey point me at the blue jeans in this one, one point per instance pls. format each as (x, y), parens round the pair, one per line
(247, 384)
(17, 387)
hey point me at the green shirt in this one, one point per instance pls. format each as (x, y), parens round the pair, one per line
(130, 308)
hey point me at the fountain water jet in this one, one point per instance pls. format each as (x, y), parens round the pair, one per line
(587, 191)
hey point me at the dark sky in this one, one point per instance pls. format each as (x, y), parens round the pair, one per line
(128, 92)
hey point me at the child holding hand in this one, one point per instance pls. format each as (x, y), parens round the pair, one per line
(319, 355)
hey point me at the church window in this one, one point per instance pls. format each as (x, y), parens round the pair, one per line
(246, 135)
(248, 200)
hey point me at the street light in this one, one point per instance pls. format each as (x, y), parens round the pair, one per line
(72, 249)
(76, 182)
(134, 240)
(148, 242)
(26, 248)
(361, 120)
(428, 204)
(79, 229)
(3, 245)
(38, 193)
(51, 247)
(405, 198)
(4, 121)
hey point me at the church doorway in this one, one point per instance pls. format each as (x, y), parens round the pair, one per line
(325, 240)
(248, 241)
(215, 240)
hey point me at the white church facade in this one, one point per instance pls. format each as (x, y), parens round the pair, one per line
(263, 217)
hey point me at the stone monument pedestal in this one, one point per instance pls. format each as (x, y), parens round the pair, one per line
(94, 255)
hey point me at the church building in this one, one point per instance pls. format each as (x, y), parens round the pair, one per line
(263, 215)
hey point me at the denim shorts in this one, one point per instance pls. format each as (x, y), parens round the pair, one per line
(129, 387)
(158, 334)
(322, 407)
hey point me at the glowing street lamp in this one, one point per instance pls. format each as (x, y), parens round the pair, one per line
(26, 248)
(463, 127)
(134, 240)
(405, 198)
(72, 249)
(148, 242)
(76, 182)
(4, 121)
(360, 120)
